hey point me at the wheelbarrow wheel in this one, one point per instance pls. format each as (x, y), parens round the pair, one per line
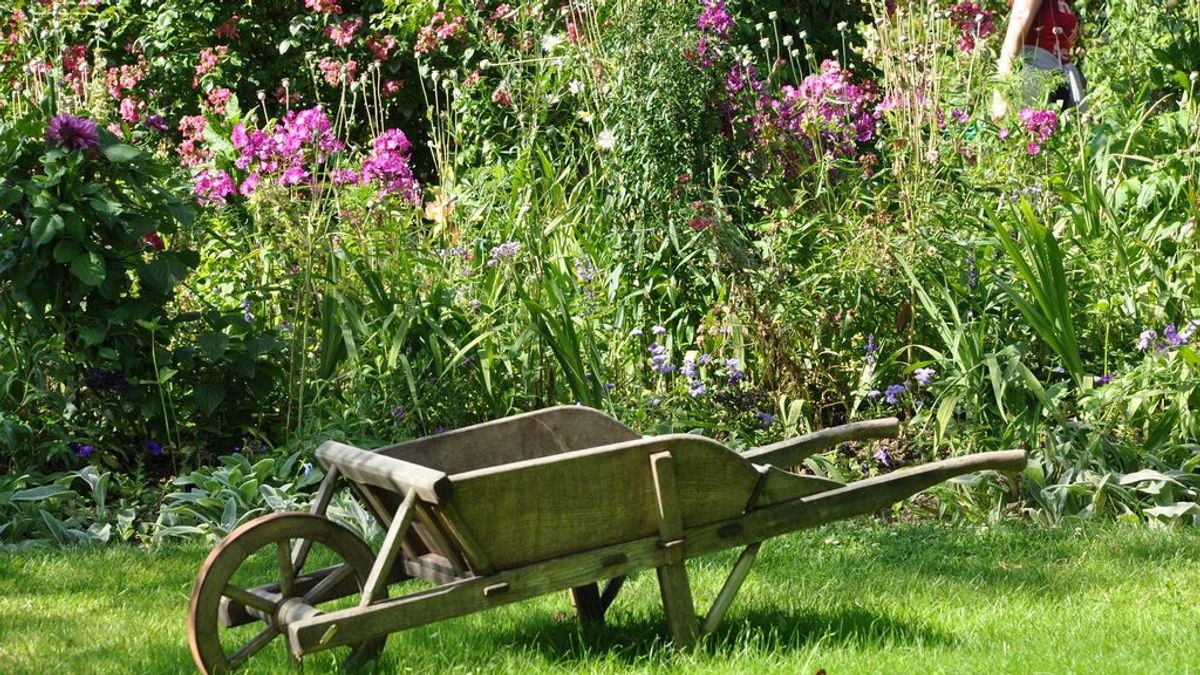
(257, 576)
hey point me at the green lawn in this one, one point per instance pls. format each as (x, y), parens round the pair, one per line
(856, 597)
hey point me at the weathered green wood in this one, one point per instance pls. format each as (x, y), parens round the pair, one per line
(516, 438)
(672, 574)
(389, 473)
(432, 568)
(551, 506)
(376, 584)
(611, 589)
(586, 601)
(778, 485)
(466, 596)
(437, 540)
(792, 451)
(457, 530)
(730, 589)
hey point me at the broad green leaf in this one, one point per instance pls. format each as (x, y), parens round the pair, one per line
(164, 274)
(120, 153)
(213, 344)
(45, 227)
(89, 268)
(208, 396)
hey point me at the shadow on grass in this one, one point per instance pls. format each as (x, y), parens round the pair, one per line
(638, 639)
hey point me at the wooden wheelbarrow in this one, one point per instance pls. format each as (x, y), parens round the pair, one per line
(558, 499)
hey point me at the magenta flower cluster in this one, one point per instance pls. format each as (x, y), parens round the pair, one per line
(831, 103)
(828, 114)
(973, 22)
(388, 166)
(301, 143)
(1039, 125)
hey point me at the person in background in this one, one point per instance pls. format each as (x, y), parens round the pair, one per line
(1043, 33)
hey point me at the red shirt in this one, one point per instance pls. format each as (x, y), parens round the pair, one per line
(1054, 14)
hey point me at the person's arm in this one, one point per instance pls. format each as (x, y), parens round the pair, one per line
(1020, 20)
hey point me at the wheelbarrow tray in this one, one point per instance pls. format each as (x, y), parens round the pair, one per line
(567, 497)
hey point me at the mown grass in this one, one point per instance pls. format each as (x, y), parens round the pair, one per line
(856, 597)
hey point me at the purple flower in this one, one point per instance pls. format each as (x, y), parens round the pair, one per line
(398, 411)
(635, 331)
(924, 376)
(689, 368)
(766, 418)
(696, 388)
(874, 393)
(660, 360)
(734, 373)
(1171, 335)
(154, 448)
(73, 133)
(870, 348)
(658, 330)
(439, 430)
(715, 19)
(156, 122)
(246, 315)
(506, 251)
(892, 393)
(1146, 339)
(882, 456)
(388, 164)
(1103, 380)
(82, 450)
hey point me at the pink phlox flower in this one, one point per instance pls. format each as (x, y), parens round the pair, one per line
(212, 186)
(218, 99)
(381, 46)
(324, 6)
(388, 166)
(343, 34)
(1039, 124)
(715, 19)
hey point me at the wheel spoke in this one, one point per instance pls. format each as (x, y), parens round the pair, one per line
(251, 648)
(300, 555)
(249, 599)
(316, 594)
(287, 573)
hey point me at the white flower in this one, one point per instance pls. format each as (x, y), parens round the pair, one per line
(606, 140)
(575, 86)
(803, 35)
(758, 27)
(764, 43)
(794, 53)
(787, 40)
(773, 15)
(550, 42)
(842, 26)
(584, 115)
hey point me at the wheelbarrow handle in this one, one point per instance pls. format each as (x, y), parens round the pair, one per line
(792, 451)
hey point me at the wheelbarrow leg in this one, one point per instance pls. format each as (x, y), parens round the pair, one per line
(588, 606)
(672, 576)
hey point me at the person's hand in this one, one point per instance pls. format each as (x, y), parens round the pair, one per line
(999, 105)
